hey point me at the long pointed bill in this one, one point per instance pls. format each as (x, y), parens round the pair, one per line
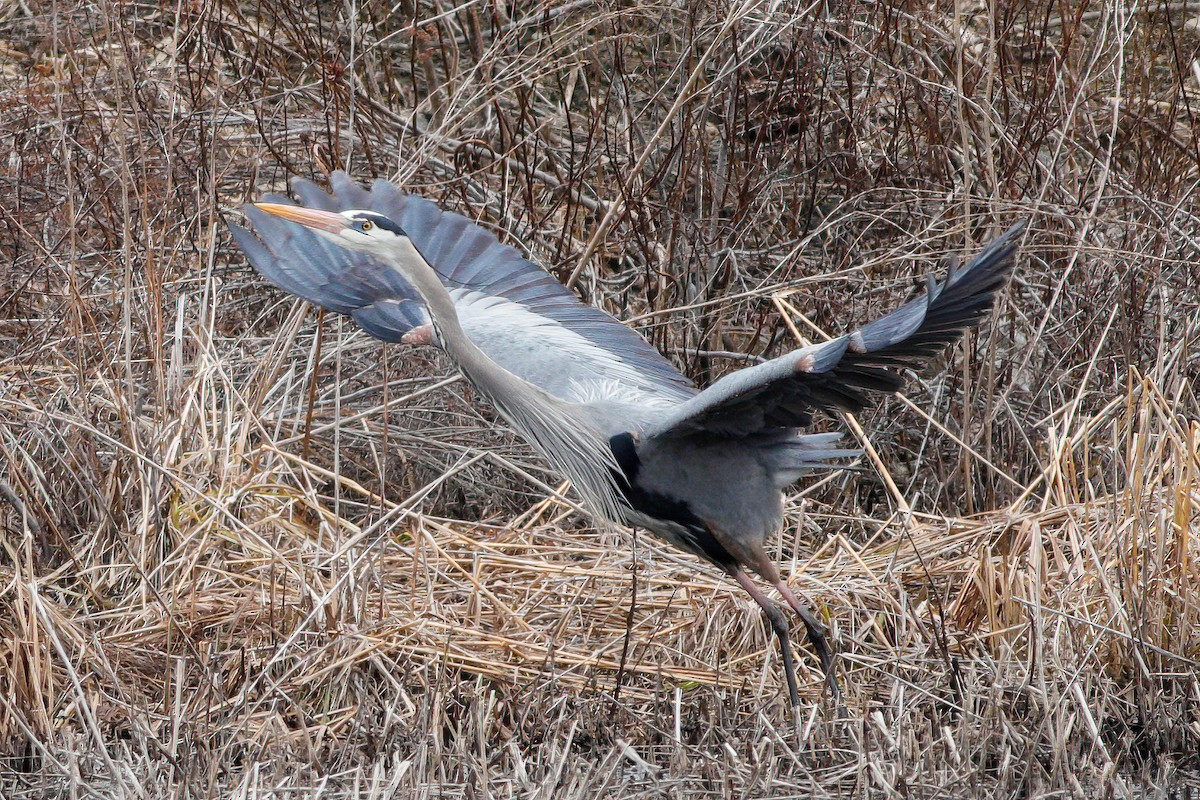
(309, 217)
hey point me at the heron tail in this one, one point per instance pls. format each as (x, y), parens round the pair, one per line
(792, 458)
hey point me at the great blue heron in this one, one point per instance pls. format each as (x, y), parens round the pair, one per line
(703, 470)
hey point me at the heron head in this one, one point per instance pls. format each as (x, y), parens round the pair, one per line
(365, 231)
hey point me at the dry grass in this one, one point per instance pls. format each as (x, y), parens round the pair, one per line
(248, 551)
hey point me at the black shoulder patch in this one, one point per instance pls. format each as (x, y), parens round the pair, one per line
(626, 454)
(699, 539)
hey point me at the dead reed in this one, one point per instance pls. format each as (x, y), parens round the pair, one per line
(248, 551)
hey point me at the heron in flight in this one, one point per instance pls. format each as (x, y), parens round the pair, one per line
(643, 446)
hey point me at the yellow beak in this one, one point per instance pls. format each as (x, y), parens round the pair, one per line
(309, 217)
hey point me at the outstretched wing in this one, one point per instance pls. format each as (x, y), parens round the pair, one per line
(515, 312)
(838, 375)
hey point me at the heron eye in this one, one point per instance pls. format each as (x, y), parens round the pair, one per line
(366, 225)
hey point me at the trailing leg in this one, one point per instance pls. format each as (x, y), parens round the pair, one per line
(817, 635)
(779, 624)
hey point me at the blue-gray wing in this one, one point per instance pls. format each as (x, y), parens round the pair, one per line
(840, 375)
(494, 287)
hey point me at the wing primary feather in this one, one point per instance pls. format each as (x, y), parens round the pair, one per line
(841, 374)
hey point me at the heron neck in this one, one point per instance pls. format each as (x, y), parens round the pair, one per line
(417, 271)
(562, 431)
(485, 373)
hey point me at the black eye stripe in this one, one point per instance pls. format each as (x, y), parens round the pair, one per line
(372, 220)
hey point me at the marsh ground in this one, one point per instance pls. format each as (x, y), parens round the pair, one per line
(248, 551)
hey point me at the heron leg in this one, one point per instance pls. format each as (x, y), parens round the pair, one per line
(817, 635)
(779, 624)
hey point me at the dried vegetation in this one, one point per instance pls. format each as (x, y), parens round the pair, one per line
(247, 550)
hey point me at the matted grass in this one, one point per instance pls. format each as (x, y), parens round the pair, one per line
(248, 551)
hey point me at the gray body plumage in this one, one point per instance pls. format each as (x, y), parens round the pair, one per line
(702, 469)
